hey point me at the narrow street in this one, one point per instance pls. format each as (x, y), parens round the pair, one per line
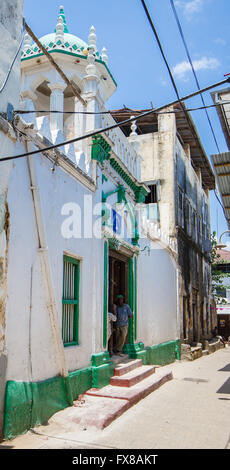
(189, 412)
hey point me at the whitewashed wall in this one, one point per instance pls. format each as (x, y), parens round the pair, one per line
(11, 34)
(157, 296)
(56, 189)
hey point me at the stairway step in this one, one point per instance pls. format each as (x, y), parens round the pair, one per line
(135, 393)
(132, 378)
(125, 368)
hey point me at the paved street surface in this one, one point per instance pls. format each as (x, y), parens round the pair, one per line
(189, 412)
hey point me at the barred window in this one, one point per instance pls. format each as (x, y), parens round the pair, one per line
(70, 301)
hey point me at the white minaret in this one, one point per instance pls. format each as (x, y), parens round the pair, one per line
(104, 55)
(27, 42)
(59, 30)
(93, 38)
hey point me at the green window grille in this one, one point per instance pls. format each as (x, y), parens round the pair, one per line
(70, 301)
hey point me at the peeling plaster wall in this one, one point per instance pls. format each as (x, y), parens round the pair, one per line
(11, 15)
(157, 151)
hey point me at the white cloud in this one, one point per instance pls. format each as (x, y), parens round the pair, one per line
(180, 70)
(220, 41)
(190, 7)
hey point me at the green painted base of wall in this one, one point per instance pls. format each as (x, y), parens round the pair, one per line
(80, 381)
(28, 404)
(136, 351)
(102, 369)
(164, 353)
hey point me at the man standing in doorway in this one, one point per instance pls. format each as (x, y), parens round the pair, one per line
(123, 312)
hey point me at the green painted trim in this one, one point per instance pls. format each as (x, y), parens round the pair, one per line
(101, 151)
(30, 404)
(136, 351)
(103, 63)
(73, 343)
(163, 353)
(130, 299)
(135, 298)
(75, 301)
(80, 381)
(75, 55)
(100, 359)
(57, 51)
(101, 374)
(105, 307)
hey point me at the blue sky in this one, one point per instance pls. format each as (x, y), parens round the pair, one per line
(135, 60)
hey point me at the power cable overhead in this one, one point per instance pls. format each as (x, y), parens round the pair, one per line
(113, 126)
(198, 86)
(175, 111)
(193, 70)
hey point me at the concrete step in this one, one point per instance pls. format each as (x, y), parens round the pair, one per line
(135, 393)
(122, 368)
(133, 377)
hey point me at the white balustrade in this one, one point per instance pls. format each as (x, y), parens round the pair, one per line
(121, 146)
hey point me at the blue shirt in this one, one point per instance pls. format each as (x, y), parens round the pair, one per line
(123, 314)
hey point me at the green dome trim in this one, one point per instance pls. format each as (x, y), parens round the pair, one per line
(68, 38)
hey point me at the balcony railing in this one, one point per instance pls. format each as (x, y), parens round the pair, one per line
(122, 148)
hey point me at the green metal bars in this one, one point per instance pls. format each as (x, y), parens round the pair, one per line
(70, 301)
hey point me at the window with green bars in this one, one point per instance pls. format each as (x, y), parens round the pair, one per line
(70, 301)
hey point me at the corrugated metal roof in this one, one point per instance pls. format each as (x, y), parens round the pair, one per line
(223, 111)
(221, 163)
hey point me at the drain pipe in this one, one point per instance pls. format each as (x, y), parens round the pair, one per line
(46, 272)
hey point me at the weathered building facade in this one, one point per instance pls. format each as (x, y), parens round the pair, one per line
(75, 235)
(178, 173)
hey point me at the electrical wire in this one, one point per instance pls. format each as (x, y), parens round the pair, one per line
(15, 57)
(161, 49)
(175, 111)
(105, 129)
(193, 70)
(171, 76)
(198, 86)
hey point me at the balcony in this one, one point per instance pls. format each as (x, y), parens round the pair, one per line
(124, 150)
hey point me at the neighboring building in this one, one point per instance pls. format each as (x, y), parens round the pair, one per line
(223, 320)
(221, 161)
(76, 234)
(177, 171)
(224, 266)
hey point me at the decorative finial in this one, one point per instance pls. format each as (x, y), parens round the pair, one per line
(133, 128)
(93, 38)
(59, 30)
(104, 55)
(62, 14)
(27, 42)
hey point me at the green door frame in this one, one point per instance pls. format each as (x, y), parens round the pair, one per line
(132, 295)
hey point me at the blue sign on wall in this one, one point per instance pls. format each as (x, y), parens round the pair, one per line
(117, 221)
